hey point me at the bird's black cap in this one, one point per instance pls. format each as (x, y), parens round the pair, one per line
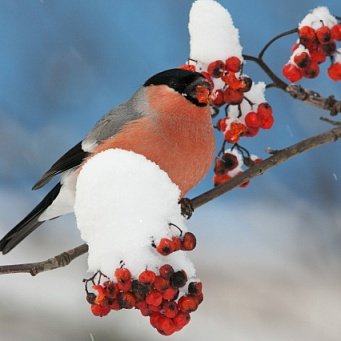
(182, 81)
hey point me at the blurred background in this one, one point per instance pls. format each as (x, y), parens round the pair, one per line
(268, 255)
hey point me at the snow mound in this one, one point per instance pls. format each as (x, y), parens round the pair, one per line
(123, 204)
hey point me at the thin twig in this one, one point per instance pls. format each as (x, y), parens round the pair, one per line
(261, 53)
(281, 155)
(332, 122)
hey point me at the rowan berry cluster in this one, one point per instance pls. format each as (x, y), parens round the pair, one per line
(167, 246)
(230, 162)
(317, 42)
(166, 296)
(246, 110)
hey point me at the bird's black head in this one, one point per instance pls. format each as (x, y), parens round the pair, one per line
(188, 83)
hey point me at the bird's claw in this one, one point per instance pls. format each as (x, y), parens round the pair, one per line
(186, 207)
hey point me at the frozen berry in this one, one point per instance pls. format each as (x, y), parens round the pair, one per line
(170, 309)
(292, 72)
(306, 34)
(323, 34)
(216, 68)
(181, 319)
(252, 120)
(165, 247)
(336, 32)
(302, 60)
(161, 284)
(188, 242)
(246, 84)
(202, 93)
(221, 124)
(218, 98)
(122, 274)
(187, 304)
(177, 243)
(230, 161)
(154, 298)
(166, 271)
(170, 294)
(126, 300)
(329, 49)
(147, 277)
(233, 96)
(195, 288)
(98, 310)
(178, 279)
(220, 179)
(233, 64)
(334, 72)
(312, 71)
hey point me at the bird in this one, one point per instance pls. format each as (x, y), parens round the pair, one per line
(165, 120)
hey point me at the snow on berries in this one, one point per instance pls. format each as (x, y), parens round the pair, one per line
(128, 213)
(215, 51)
(318, 34)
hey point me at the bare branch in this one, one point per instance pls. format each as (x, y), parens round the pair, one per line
(58, 261)
(280, 156)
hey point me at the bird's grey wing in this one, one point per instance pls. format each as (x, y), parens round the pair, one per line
(106, 127)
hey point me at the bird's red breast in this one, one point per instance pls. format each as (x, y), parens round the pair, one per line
(176, 134)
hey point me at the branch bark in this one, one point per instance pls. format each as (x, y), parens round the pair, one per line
(280, 156)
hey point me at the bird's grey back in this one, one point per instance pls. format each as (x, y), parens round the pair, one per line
(111, 123)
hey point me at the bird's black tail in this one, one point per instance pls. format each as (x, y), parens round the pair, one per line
(29, 223)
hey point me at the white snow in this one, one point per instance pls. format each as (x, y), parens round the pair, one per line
(212, 33)
(123, 203)
(297, 52)
(317, 18)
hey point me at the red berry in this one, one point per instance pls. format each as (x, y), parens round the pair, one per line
(170, 309)
(230, 161)
(154, 308)
(165, 326)
(334, 72)
(318, 55)
(264, 108)
(266, 121)
(181, 320)
(336, 32)
(154, 317)
(166, 271)
(154, 298)
(202, 93)
(234, 132)
(302, 60)
(292, 72)
(187, 304)
(246, 84)
(98, 310)
(124, 286)
(323, 34)
(233, 64)
(221, 124)
(251, 132)
(178, 279)
(91, 297)
(187, 67)
(219, 167)
(110, 289)
(312, 71)
(329, 49)
(170, 294)
(195, 288)
(252, 120)
(218, 98)
(188, 242)
(147, 277)
(115, 305)
(165, 247)
(177, 243)
(161, 284)
(122, 274)
(233, 96)
(216, 68)
(306, 34)
(220, 179)
(126, 300)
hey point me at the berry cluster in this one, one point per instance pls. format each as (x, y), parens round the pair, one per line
(230, 162)
(156, 295)
(313, 48)
(167, 246)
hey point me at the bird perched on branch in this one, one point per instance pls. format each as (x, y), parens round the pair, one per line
(167, 120)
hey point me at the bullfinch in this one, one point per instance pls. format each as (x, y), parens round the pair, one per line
(167, 120)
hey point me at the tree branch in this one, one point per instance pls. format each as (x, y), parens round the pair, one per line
(280, 156)
(59, 261)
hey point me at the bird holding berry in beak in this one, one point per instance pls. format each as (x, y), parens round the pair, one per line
(167, 120)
